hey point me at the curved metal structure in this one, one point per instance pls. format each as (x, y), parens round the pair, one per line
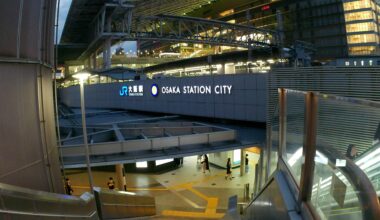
(368, 200)
(109, 23)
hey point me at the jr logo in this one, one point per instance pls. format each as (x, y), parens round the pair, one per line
(124, 91)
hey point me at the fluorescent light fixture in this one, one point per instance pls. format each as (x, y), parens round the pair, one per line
(143, 164)
(82, 76)
(127, 193)
(236, 156)
(159, 162)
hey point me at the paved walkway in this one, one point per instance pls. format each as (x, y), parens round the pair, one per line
(182, 193)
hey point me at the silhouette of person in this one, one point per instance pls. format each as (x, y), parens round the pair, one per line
(68, 188)
(207, 165)
(111, 183)
(351, 153)
(228, 165)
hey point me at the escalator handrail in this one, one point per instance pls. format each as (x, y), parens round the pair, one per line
(85, 203)
(363, 187)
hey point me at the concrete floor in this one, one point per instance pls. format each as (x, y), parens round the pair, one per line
(185, 193)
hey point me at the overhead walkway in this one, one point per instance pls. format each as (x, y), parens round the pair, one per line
(107, 23)
(143, 139)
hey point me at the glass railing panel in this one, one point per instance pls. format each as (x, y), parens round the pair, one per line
(352, 128)
(347, 132)
(333, 196)
(295, 114)
(274, 141)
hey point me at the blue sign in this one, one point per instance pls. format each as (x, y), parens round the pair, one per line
(154, 90)
(124, 91)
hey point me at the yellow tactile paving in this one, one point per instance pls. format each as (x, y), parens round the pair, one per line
(193, 214)
(147, 189)
(212, 203)
(196, 192)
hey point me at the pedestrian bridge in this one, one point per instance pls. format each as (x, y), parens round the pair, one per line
(126, 142)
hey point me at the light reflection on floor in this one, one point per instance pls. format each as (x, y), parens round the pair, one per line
(185, 192)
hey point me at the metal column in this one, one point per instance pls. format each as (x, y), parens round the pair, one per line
(120, 177)
(309, 146)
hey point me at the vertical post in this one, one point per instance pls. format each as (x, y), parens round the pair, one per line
(309, 146)
(249, 58)
(242, 162)
(209, 61)
(107, 54)
(120, 176)
(256, 183)
(280, 32)
(261, 169)
(85, 136)
(107, 45)
(282, 121)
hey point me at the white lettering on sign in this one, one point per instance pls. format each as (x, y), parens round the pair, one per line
(170, 90)
(197, 90)
(222, 89)
(202, 89)
(132, 90)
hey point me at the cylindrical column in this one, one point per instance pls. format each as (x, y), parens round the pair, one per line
(120, 177)
(309, 147)
(85, 135)
(242, 162)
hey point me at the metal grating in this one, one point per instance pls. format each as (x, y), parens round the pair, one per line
(340, 123)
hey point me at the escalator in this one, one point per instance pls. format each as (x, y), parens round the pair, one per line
(312, 178)
(341, 191)
(22, 203)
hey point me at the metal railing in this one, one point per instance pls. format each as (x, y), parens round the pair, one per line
(324, 182)
(119, 204)
(22, 203)
(159, 143)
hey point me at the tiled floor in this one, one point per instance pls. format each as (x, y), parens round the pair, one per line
(181, 193)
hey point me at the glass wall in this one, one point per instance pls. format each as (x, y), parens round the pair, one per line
(342, 170)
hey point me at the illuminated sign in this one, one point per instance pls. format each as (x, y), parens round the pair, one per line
(154, 90)
(202, 89)
(124, 91)
(160, 162)
(132, 90)
(265, 8)
(143, 164)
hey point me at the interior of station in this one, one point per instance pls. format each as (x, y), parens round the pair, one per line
(212, 109)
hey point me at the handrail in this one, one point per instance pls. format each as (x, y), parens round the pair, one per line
(356, 101)
(27, 202)
(367, 196)
(16, 202)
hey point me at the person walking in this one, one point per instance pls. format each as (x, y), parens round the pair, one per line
(203, 163)
(228, 174)
(246, 163)
(68, 188)
(351, 153)
(207, 166)
(111, 184)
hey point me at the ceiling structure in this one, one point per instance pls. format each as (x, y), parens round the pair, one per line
(82, 14)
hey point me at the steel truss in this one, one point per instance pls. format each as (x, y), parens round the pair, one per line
(114, 22)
